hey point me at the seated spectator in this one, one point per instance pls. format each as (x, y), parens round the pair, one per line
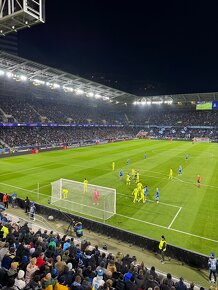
(30, 270)
(48, 281)
(180, 285)
(8, 258)
(40, 260)
(9, 284)
(77, 284)
(12, 271)
(98, 280)
(19, 281)
(59, 265)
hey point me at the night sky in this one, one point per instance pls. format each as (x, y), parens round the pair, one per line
(144, 47)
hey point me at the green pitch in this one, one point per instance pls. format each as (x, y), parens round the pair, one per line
(186, 215)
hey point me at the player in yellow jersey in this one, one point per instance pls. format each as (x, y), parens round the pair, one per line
(113, 165)
(133, 173)
(64, 193)
(171, 174)
(135, 195)
(85, 182)
(141, 195)
(128, 179)
(139, 186)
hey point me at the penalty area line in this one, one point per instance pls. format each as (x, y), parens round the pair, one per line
(167, 228)
(174, 217)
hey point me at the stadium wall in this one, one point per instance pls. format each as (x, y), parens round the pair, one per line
(190, 258)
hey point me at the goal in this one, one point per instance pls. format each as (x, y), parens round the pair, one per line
(205, 140)
(71, 195)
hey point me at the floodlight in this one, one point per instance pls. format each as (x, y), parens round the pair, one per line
(48, 84)
(9, 74)
(106, 98)
(55, 86)
(148, 102)
(97, 96)
(23, 78)
(2, 72)
(79, 92)
(90, 94)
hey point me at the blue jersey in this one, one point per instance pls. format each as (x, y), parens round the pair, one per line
(157, 194)
(186, 157)
(146, 191)
(121, 173)
(180, 169)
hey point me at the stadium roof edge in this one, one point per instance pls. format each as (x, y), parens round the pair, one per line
(33, 70)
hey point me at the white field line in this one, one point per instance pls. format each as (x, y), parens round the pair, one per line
(174, 218)
(170, 229)
(79, 166)
(138, 220)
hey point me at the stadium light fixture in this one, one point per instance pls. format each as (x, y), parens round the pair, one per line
(38, 82)
(9, 74)
(56, 86)
(90, 94)
(79, 92)
(97, 96)
(2, 72)
(106, 98)
(23, 78)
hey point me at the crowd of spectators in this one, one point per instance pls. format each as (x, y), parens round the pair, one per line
(84, 111)
(46, 260)
(33, 136)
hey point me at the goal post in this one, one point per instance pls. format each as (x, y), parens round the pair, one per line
(94, 201)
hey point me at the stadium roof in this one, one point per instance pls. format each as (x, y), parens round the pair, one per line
(40, 74)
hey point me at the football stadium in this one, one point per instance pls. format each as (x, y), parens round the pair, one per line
(136, 174)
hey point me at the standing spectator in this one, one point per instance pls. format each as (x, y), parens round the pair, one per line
(162, 248)
(9, 284)
(212, 263)
(27, 204)
(32, 211)
(77, 284)
(5, 200)
(13, 199)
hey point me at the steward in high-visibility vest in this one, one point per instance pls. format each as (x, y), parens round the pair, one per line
(163, 248)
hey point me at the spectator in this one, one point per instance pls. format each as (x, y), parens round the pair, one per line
(9, 284)
(19, 281)
(98, 280)
(180, 285)
(31, 269)
(27, 204)
(77, 284)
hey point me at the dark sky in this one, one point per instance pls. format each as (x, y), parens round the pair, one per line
(148, 47)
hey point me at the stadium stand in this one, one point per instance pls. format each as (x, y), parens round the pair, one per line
(36, 258)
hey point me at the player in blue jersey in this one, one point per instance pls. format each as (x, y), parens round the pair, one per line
(121, 174)
(146, 192)
(180, 170)
(186, 157)
(157, 195)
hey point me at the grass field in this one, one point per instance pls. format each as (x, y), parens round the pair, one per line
(186, 215)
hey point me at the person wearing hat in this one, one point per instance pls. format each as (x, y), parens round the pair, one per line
(98, 280)
(162, 248)
(212, 263)
(19, 281)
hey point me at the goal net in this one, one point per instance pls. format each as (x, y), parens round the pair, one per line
(205, 140)
(92, 200)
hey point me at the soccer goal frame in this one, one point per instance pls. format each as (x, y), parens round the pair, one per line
(93, 201)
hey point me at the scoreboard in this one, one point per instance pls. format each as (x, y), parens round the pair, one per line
(213, 105)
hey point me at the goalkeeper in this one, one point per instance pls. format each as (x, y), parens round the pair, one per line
(85, 182)
(65, 193)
